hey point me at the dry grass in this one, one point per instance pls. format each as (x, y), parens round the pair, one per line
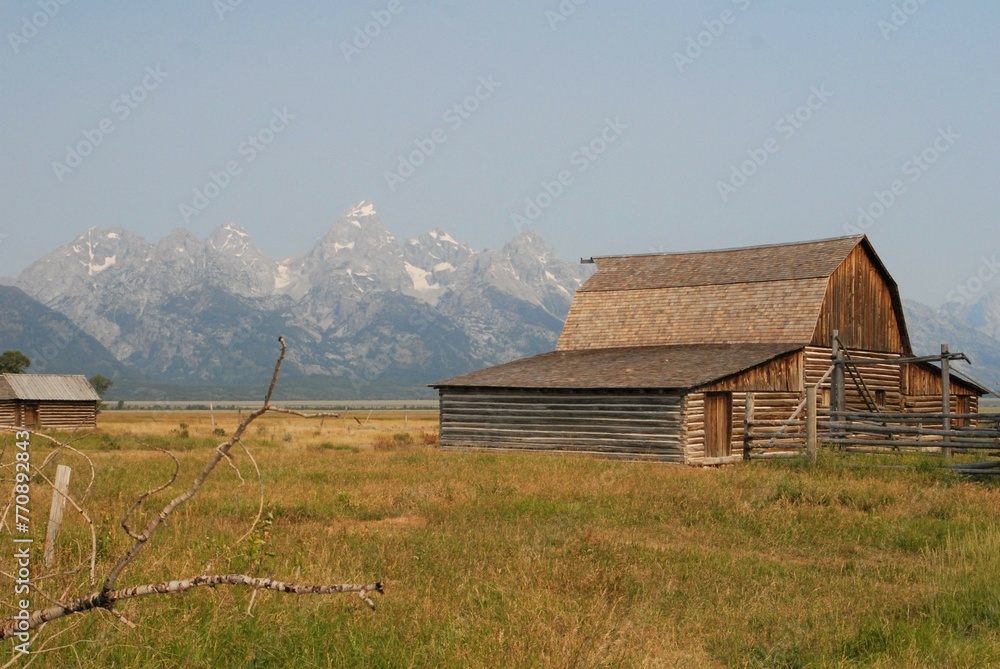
(529, 560)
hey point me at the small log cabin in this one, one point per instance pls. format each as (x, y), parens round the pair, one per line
(48, 401)
(660, 353)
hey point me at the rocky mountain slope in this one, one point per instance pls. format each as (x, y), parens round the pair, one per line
(362, 311)
(52, 341)
(929, 328)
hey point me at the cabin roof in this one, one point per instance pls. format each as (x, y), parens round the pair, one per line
(51, 387)
(646, 367)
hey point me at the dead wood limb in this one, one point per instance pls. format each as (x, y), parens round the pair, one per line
(107, 599)
(260, 503)
(148, 493)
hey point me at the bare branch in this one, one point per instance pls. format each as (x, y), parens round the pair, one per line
(148, 493)
(106, 599)
(260, 505)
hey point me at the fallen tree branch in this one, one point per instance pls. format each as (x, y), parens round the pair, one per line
(105, 600)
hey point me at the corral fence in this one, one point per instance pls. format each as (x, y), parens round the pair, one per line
(871, 430)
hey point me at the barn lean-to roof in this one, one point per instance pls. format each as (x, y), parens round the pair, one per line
(47, 387)
(644, 367)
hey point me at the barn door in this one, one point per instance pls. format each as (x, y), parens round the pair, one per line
(718, 425)
(31, 415)
(961, 406)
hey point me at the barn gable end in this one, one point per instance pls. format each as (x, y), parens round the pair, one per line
(862, 303)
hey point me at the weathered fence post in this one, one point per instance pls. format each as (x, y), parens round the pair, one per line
(838, 399)
(748, 426)
(946, 398)
(56, 513)
(811, 441)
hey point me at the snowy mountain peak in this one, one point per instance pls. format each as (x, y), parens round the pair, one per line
(363, 209)
(230, 238)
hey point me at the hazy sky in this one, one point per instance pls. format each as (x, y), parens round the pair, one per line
(656, 125)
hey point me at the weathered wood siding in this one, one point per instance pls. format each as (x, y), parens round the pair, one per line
(635, 423)
(783, 374)
(919, 380)
(859, 303)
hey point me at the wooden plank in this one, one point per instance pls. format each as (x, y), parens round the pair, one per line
(56, 512)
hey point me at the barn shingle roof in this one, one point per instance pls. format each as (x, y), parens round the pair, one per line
(755, 264)
(42, 387)
(754, 295)
(660, 367)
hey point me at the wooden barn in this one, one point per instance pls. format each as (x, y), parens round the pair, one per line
(661, 354)
(48, 401)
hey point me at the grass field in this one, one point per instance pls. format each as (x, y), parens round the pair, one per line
(523, 560)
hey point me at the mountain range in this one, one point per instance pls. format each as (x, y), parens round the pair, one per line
(365, 315)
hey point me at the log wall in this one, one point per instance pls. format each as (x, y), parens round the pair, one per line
(8, 413)
(630, 423)
(51, 415)
(67, 415)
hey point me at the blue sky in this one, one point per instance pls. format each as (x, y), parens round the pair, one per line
(608, 127)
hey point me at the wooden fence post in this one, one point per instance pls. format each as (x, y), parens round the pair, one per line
(811, 441)
(748, 426)
(946, 398)
(56, 513)
(838, 397)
